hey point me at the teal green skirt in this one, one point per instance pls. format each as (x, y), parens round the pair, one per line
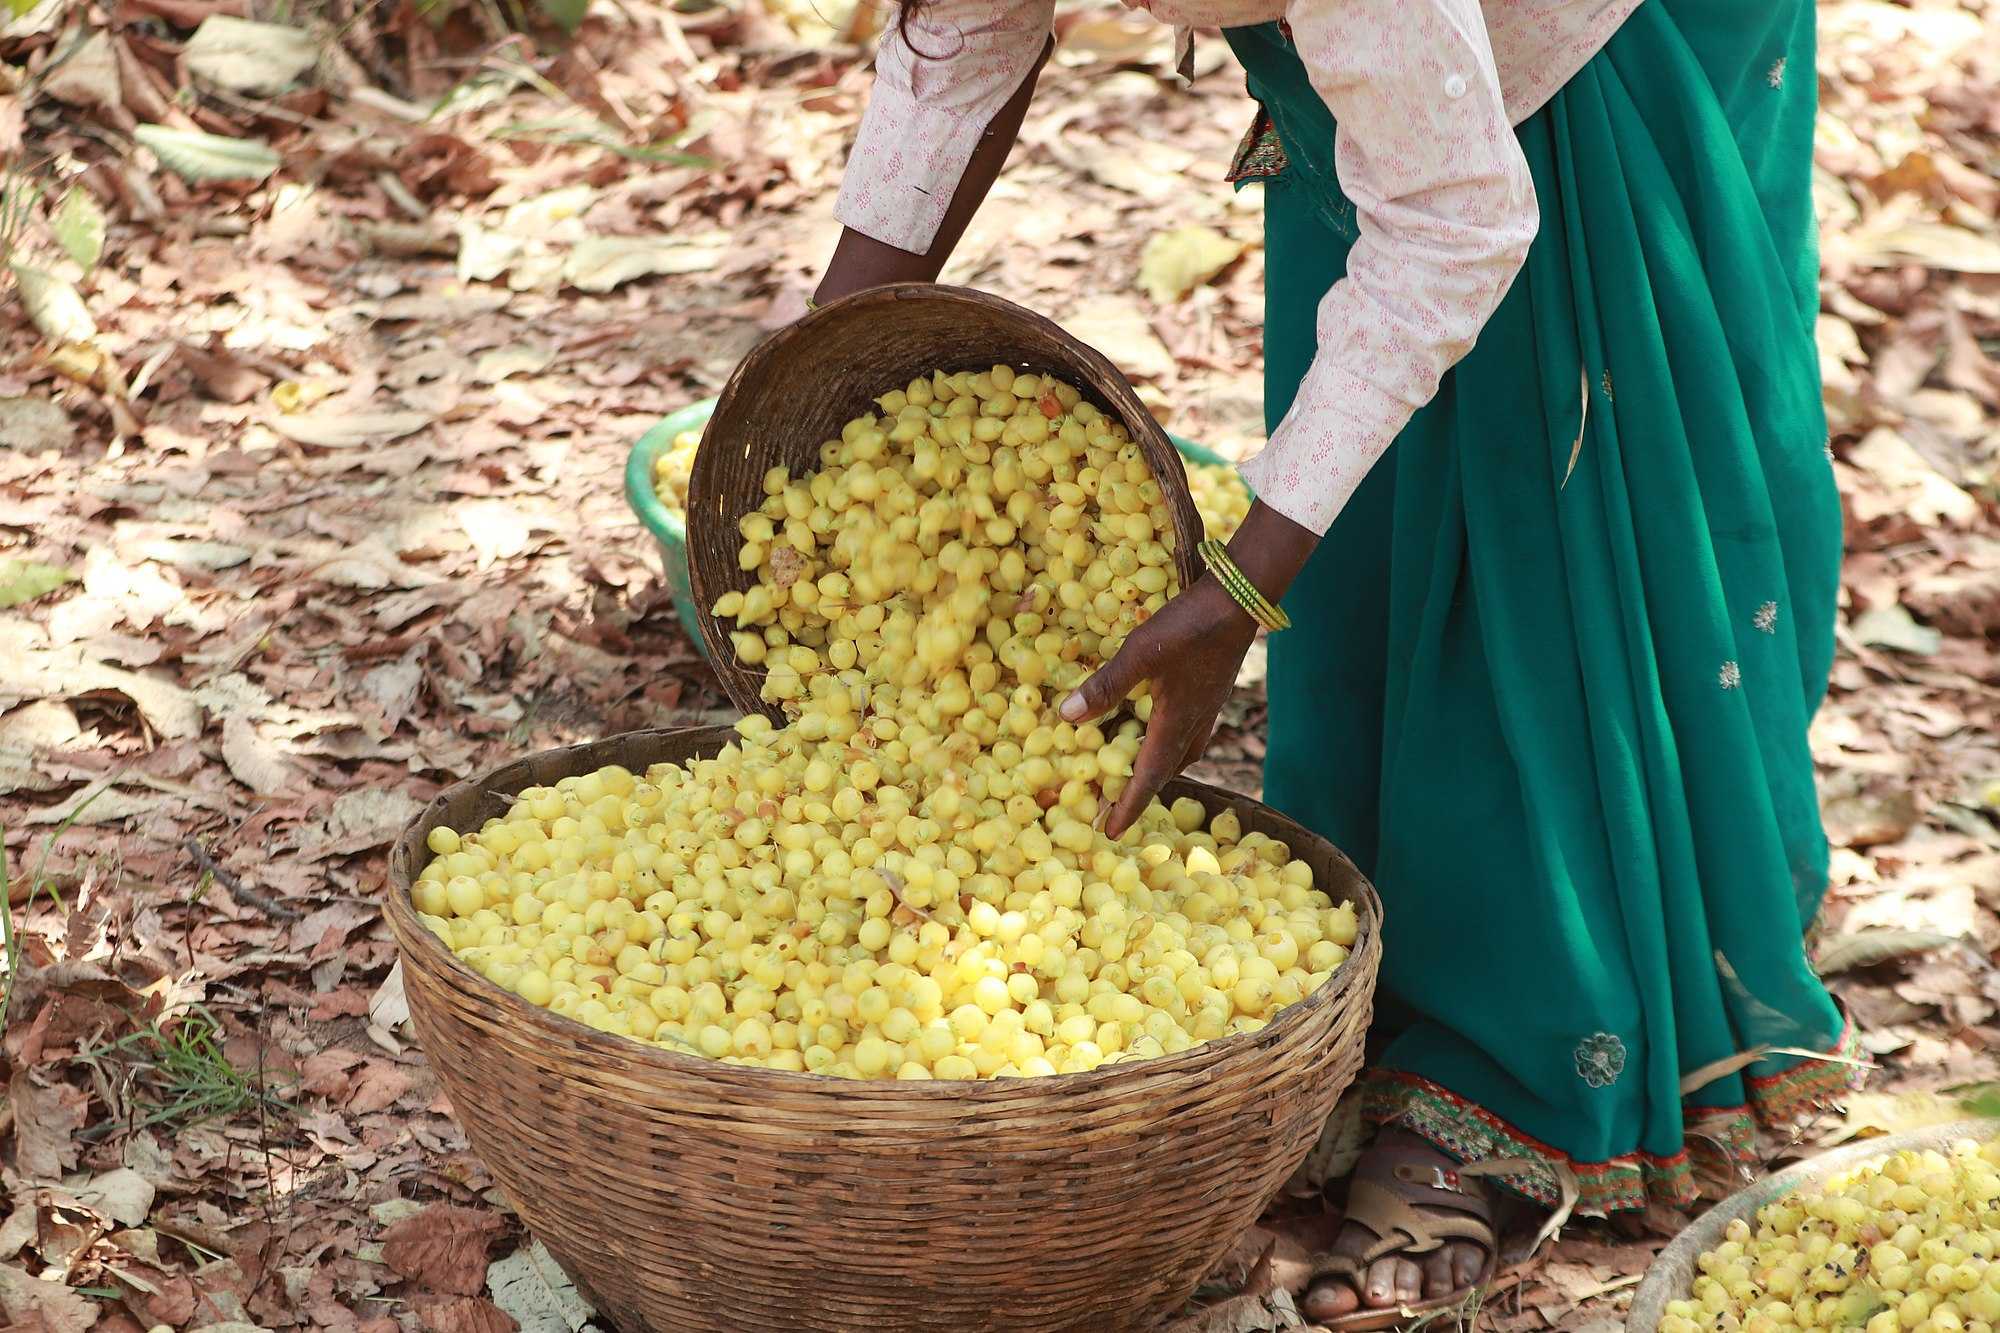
(1553, 697)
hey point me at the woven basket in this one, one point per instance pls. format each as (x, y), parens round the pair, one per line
(798, 388)
(1671, 1276)
(685, 1194)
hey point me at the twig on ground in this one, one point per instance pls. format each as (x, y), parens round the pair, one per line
(238, 890)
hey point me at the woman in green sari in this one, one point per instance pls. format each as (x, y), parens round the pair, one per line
(1555, 649)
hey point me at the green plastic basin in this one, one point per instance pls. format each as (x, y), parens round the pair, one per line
(669, 529)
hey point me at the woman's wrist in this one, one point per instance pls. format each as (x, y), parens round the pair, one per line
(1225, 611)
(1270, 550)
(860, 262)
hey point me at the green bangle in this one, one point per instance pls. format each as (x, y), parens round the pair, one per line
(1240, 589)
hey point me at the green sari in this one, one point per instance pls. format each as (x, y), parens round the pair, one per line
(1553, 696)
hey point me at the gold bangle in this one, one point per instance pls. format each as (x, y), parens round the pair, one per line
(1240, 589)
(811, 304)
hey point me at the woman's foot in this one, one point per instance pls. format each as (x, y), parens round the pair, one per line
(1406, 1190)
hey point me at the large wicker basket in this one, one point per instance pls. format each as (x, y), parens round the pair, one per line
(685, 1194)
(798, 388)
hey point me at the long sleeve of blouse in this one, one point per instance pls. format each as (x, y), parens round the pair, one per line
(1425, 150)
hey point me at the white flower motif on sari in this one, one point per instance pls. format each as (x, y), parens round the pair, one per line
(1600, 1059)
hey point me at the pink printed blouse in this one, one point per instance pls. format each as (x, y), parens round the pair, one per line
(1426, 94)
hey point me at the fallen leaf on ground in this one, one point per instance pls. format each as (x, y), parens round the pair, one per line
(389, 1007)
(261, 59)
(34, 424)
(46, 1120)
(530, 1286)
(1261, 1307)
(465, 1314)
(1176, 262)
(1894, 628)
(600, 263)
(1873, 1113)
(78, 226)
(1934, 245)
(1909, 484)
(514, 359)
(25, 580)
(348, 430)
(88, 76)
(377, 1087)
(1866, 948)
(1864, 820)
(53, 305)
(1120, 330)
(31, 1305)
(254, 761)
(443, 1248)
(125, 1196)
(197, 156)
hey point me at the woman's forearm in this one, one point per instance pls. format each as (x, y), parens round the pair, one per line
(861, 261)
(1270, 549)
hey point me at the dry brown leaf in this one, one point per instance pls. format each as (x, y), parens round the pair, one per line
(335, 429)
(1118, 328)
(1909, 484)
(497, 529)
(88, 77)
(1114, 36)
(34, 424)
(253, 760)
(31, 1305)
(53, 306)
(465, 1314)
(376, 1088)
(124, 1196)
(443, 1248)
(258, 59)
(46, 1119)
(1934, 245)
(601, 263)
(1176, 262)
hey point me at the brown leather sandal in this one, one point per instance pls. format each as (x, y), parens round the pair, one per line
(1421, 1208)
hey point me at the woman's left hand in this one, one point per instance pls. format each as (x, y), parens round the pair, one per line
(1190, 653)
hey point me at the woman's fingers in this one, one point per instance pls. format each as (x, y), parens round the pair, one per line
(1159, 759)
(1112, 682)
(1204, 737)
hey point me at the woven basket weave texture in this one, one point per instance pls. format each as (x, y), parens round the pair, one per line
(685, 1194)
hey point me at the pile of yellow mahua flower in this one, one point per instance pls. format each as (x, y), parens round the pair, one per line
(1909, 1245)
(906, 879)
(1220, 494)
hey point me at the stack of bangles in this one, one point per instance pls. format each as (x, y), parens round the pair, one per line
(1239, 587)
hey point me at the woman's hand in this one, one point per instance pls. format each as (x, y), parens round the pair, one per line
(1190, 652)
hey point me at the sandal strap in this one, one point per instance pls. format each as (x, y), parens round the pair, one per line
(1401, 1226)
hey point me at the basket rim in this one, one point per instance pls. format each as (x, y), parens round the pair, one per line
(654, 514)
(416, 945)
(741, 682)
(664, 521)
